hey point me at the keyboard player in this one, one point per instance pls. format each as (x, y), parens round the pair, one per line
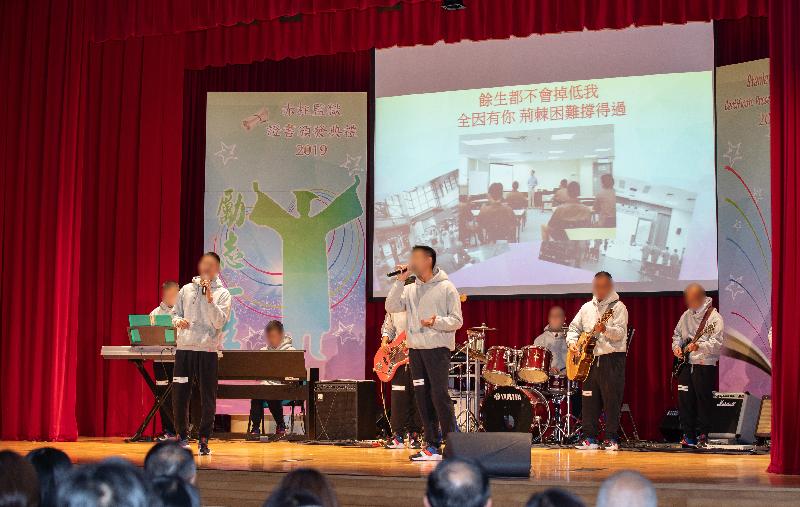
(277, 339)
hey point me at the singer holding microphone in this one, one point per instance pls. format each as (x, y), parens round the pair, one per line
(201, 311)
(433, 310)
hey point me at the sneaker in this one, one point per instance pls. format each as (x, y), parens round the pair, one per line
(184, 442)
(396, 442)
(688, 443)
(166, 436)
(702, 441)
(204, 450)
(253, 436)
(414, 442)
(610, 445)
(280, 432)
(587, 444)
(429, 453)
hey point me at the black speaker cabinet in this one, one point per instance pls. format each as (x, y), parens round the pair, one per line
(502, 454)
(735, 416)
(345, 410)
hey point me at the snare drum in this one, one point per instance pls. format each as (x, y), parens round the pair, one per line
(500, 365)
(534, 365)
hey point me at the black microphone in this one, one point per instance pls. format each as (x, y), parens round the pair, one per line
(202, 287)
(396, 272)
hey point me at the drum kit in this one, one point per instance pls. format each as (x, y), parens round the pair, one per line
(521, 393)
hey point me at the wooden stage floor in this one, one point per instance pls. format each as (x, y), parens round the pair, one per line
(243, 473)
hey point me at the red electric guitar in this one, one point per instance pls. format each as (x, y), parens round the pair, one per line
(390, 358)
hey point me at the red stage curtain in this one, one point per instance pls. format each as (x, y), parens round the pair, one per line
(131, 231)
(42, 202)
(135, 18)
(427, 23)
(785, 161)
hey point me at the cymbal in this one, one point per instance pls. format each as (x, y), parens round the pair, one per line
(482, 327)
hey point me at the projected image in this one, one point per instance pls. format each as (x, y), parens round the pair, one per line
(534, 186)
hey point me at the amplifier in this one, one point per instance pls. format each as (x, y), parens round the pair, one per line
(671, 426)
(345, 410)
(735, 416)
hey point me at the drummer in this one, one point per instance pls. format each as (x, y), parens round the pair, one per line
(554, 339)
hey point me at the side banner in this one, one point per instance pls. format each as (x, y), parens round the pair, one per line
(284, 208)
(744, 234)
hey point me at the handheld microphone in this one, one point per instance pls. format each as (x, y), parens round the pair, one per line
(396, 272)
(202, 287)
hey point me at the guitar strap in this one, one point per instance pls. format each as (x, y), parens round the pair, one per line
(702, 326)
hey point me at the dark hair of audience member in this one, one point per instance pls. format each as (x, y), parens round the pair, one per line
(554, 497)
(573, 189)
(458, 482)
(496, 191)
(19, 485)
(51, 466)
(112, 482)
(175, 492)
(288, 497)
(313, 481)
(168, 458)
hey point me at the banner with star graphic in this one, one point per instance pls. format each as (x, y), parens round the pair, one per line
(284, 209)
(744, 233)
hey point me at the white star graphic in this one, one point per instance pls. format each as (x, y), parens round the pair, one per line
(343, 330)
(352, 164)
(734, 287)
(738, 225)
(733, 153)
(226, 153)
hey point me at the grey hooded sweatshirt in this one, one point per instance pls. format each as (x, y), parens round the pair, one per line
(615, 337)
(206, 320)
(422, 300)
(709, 343)
(163, 309)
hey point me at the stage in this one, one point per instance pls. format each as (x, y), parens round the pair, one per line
(242, 473)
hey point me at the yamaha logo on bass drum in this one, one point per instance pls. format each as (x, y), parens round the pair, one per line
(508, 396)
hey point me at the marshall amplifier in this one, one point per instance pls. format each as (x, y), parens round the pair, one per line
(735, 416)
(345, 410)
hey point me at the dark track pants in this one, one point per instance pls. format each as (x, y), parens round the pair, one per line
(696, 386)
(163, 375)
(602, 391)
(429, 371)
(405, 416)
(200, 367)
(257, 412)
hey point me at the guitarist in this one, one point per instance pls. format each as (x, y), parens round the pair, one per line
(604, 386)
(698, 335)
(405, 420)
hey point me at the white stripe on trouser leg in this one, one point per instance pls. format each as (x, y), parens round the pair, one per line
(683, 388)
(419, 382)
(587, 393)
(181, 380)
(162, 382)
(398, 388)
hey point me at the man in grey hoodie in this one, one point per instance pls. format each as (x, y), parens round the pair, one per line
(605, 384)
(433, 309)
(277, 339)
(201, 311)
(698, 380)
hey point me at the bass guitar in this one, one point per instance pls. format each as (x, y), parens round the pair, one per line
(388, 359)
(579, 362)
(702, 330)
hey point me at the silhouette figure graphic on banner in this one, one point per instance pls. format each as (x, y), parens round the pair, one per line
(306, 300)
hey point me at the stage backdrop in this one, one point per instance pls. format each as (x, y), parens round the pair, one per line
(744, 233)
(284, 208)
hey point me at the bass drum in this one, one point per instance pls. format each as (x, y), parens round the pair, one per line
(512, 408)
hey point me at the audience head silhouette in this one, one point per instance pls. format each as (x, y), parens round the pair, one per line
(458, 483)
(51, 466)
(113, 482)
(628, 488)
(167, 459)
